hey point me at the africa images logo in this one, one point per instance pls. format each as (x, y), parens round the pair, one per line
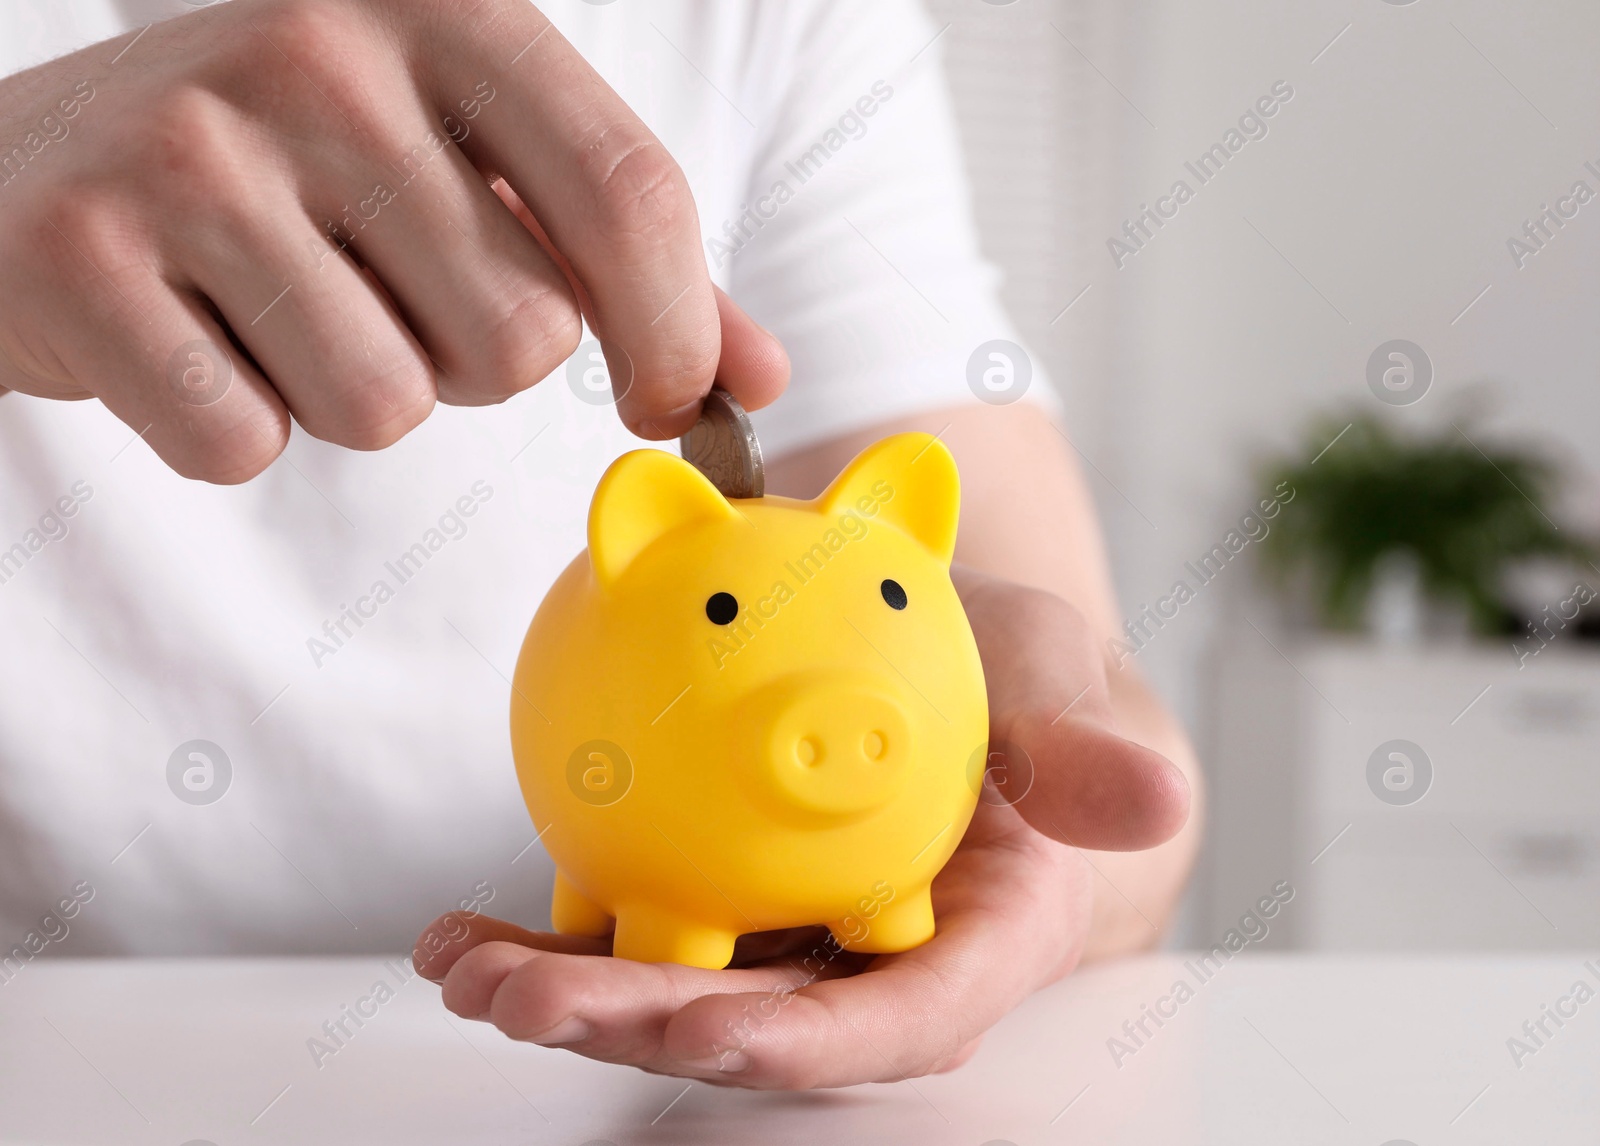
(1399, 372)
(998, 372)
(1399, 772)
(199, 772)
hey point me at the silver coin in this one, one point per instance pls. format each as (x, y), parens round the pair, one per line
(722, 445)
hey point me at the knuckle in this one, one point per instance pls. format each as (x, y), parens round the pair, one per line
(230, 455)
(200, 171)
(535, 335)
(642, 192)
(192, 136)
(83, 231)
(308, 40)
(680, 365)
(494, 22)
(295, 33)
(680, 372)
(377, 412)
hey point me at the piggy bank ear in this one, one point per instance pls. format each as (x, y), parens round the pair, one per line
(644, 495)
(908, 480)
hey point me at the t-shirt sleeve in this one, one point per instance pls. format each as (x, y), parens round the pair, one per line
(856, 244)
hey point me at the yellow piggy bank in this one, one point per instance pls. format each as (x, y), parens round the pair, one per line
(739, 715)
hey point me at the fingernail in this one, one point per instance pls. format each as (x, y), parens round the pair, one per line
(728, 1062)
(570, 1030)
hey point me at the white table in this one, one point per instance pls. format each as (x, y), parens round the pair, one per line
(1272, 1049)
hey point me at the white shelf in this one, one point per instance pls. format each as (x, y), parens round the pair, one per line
(1501, 852)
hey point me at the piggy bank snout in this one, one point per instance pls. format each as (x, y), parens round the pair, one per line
(835, 748)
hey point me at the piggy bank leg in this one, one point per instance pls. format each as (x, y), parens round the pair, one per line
(648, 934)
(901, 924)
(573, 913)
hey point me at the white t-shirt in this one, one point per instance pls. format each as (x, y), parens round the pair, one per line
(369, 787)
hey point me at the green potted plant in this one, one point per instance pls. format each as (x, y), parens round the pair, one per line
(1456, 513)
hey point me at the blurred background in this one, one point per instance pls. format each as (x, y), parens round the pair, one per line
(1386, 295)
(1338, 257)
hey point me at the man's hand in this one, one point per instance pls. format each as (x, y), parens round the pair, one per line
(1013, 906)
(304, 187)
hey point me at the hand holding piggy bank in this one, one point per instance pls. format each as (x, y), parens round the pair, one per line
(742, 715)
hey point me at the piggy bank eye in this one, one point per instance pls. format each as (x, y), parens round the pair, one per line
(722, 608)
(893, 593)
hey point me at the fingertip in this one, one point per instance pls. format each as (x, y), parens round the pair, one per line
(710, 1037)
(423, 966)
(469, 988)
(453, 934)
(1160, 800)
(961, 1057)
(439, 945)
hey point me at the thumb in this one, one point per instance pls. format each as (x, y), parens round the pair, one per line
(1090, 787)
(1053, 750)
(754, 367)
